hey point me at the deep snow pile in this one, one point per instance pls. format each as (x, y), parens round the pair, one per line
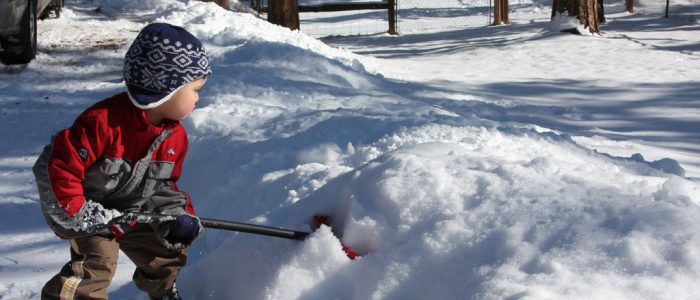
(443, 203)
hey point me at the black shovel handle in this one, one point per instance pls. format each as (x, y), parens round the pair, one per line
(256, 229)
(141, 217)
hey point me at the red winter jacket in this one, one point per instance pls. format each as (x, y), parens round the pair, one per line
(111, 155)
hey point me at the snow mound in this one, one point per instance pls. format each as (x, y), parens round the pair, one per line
(441, 203)
(481, 212)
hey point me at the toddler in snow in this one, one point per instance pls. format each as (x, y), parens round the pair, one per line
(125, 154)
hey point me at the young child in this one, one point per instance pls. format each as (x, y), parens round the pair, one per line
(125, 154)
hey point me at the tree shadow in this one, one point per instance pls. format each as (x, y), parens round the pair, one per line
(445, 42)
(592, 111)
(92, 10)
(48, 94)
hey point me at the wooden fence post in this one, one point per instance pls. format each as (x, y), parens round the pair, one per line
(284, 13)
(392, 17)
(496, 12)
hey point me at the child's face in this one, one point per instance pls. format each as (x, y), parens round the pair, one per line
(182, 103)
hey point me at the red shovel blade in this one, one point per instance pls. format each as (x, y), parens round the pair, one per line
(325, 220)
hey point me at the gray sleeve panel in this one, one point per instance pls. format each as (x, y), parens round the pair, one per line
(55, 217)
(167, 201)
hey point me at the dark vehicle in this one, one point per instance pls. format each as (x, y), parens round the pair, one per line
(18, 27)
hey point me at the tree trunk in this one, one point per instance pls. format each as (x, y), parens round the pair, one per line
(586, 11)
(284, 13)
(504, 11)
(392, 18)
(222, 3)
(588, 15)
(500, 12)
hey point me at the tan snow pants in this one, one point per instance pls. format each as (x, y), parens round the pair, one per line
(94, 261)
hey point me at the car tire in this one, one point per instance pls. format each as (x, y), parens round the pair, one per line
(27, 40)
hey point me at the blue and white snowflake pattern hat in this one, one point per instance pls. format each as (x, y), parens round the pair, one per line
(162, 59)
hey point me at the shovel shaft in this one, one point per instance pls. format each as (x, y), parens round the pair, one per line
(256, 229)
(141, 217)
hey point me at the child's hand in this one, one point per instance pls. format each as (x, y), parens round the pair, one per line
(184, 229)
(96, 217)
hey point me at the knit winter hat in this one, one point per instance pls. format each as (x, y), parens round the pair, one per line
(162, 59)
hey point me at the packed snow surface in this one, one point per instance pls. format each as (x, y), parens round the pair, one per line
(566, 177)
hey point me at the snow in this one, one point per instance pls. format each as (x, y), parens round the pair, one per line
(95, 215)
(498, 162)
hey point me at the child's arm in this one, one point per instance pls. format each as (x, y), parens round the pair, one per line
(180, 232)
(177, 172)
(60, 171)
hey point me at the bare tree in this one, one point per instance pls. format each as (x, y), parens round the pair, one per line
(586, 11)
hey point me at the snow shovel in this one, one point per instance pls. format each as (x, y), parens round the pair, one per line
(318, 220)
